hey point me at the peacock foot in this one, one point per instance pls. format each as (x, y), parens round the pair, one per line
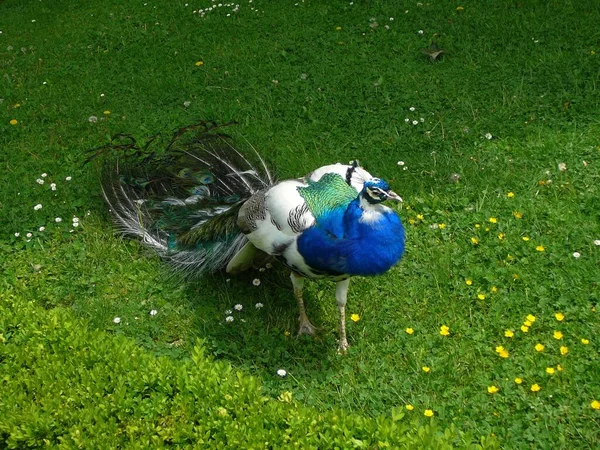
(306, 327)
(343, 347)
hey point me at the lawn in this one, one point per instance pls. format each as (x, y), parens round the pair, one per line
(494, 148)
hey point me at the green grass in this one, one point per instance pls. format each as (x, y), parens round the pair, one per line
(527, 73)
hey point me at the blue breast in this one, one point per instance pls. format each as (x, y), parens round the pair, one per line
(343, 244)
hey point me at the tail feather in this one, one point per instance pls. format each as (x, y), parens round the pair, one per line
(183, 201)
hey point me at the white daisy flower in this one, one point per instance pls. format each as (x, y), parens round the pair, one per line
(415, 122)
(228, 312)
(53, 186)
(187, 103)
(117, 320)
(153, 312)
(256, 282)
(68, 178)
(58, 220)
(281, 373)
(407, 120)
(562, 166)
(597, 242)
(420, 31)
(42, 228)
(488, 136)
(412, 108)
(238, 307)
(400, 163)
(29, 235)
(17, 234)
(268, 265)
(75, 224)
(229, 319)
(39, 181)
(576, 255)
(92, 119)
(37, 207)
(44, 175)
(258, 305)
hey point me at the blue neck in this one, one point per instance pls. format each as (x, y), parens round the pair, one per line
(355, 242)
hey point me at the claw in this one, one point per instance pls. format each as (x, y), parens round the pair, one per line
(343, 347)
(306, 327)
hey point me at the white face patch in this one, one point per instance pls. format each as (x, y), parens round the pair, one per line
(371, 212)
(374, 193)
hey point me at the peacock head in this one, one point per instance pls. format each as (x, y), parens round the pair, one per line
(377, 190)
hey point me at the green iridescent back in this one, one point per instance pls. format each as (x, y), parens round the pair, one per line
(329, 193)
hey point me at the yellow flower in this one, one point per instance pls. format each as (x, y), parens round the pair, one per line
(494, 289)
(286, 333)
(524, 328)
(469, 282)
(539, 347)
(14, 121)
(510, 194)
(493, 389)
(107, 112)
(442, 226)
(354, 317)
(525, 238)
(540, 248)
(564, 350)
(17, 105)
(531, 318)
(426, 369)
(515, 276)
(444, 330)
(518, 380)
(550, 370)
(517, 214)
(477, 225)
(481, 296)
(409, 331)
(527, 323)
(338, 28)
(460, 8)
(419, 216)
(559, 368)
(535, 387)
(474, 240)
(410, 407)
(509, 333)
(559, 316)
(411, 221)
(428, 413)
(493, 220)
(557, 335)
(501, 236)
(503, 354)
(595, 404)
(584, 341)
(199, 63)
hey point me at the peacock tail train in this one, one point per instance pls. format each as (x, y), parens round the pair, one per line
(182, 201)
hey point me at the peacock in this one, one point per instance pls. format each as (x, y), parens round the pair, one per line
(205, 206)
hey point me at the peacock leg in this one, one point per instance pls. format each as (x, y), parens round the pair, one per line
(305, 326)
(341, 294)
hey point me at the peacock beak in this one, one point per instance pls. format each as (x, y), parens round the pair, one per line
(393, 196)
